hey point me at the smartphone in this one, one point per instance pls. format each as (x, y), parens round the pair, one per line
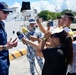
(14, 40)
(50, 23)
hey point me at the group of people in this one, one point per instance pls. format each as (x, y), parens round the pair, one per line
(57, 46)
(59, 39)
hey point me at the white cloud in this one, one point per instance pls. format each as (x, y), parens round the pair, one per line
(42, 5)
(16, 4)
(71, 4)
(49, 5)
(57, 3)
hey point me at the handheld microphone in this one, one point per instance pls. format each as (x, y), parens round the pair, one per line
(20, 35)
(25, 30)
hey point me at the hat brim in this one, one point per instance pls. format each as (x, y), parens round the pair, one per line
(32, 22)
(7, 10)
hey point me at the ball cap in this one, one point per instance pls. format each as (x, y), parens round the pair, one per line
(32, 21)
(4, 7)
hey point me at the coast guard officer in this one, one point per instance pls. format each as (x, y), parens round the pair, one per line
(4, 45)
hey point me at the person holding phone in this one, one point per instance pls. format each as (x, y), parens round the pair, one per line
(4, 45)
(58, 57)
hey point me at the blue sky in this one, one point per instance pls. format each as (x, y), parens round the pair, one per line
(51, 5)
(10, 2)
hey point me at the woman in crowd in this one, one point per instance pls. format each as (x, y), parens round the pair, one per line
(58, 57)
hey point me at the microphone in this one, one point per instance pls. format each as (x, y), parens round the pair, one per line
(20, 35)
(25, 30)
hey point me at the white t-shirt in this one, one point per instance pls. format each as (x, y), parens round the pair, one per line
(52, 28)
(67, 29)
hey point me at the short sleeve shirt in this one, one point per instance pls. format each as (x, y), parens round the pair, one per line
(54, 61)
(34, 33)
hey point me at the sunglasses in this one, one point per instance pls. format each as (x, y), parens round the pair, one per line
(5, 12)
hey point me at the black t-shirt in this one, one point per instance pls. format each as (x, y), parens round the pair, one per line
(54, 61)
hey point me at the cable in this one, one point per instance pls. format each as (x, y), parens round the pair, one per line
(36, 69)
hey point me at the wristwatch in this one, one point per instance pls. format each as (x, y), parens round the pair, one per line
(4, 48)
(45, 39)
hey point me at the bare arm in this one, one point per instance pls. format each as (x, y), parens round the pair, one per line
(38, 47)
(34, 38)
(26, 41)
(40, 26)
(43, 42)
(35, 46)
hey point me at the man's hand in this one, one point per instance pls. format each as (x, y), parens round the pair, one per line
(11, 43)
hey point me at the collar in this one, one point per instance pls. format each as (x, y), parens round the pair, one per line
(65, 26)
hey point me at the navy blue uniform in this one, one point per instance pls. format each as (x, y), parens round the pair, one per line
(4, 54)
